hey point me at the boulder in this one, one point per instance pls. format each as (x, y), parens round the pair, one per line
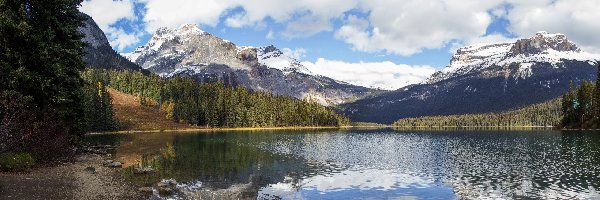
(113, 164)
(167, 187)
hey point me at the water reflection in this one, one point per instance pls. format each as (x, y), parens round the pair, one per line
(379, 164)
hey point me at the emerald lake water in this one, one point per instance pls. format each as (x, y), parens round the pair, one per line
(367, 164)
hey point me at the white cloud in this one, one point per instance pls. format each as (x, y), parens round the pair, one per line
(120, 40)
(270, 35)
(578, 19)
(389, 27)
(237, 20)
(408, 27)
(107, 12)
(174, 13)
(306, 26)
(384, 75)
(301, 18)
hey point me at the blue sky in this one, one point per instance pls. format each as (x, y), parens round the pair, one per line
(375, 36)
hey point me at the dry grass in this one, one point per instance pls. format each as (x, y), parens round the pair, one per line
(133, 116)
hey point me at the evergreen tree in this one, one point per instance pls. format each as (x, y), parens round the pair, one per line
(40, 62)
(220, 105)
(597, 98)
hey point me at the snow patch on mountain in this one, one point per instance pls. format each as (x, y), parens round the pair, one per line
(269, 56)
(161, 36)
(275, 58)
(541, 48)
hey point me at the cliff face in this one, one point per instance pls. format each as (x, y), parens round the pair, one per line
(98, 52)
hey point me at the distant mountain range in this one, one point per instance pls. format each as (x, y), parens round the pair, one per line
(479, 79)
(486, 78)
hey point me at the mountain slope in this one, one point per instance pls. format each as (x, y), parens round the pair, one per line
(134, 116)
(486, 78)
(189, 51)
(98, 52)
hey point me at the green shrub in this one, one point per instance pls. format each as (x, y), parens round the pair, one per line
(16, 161)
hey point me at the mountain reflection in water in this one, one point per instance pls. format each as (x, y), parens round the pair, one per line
(379, 164)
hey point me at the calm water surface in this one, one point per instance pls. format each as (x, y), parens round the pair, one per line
(372, 164)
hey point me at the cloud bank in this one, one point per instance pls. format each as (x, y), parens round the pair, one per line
(399, 27)
(383, 75)
(367, 25)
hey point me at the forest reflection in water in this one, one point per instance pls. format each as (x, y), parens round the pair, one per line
(334, 164)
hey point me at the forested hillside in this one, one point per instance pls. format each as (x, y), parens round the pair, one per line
(216, 105)
(542, 114)
(580, 106)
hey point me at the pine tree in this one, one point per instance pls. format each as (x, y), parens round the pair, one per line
(597, 98)
(40, 65)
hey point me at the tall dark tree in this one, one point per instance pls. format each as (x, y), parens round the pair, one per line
(40, 60)
(567, 107)
(597, 97)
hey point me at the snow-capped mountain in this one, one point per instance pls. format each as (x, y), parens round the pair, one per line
(487, 78)
(274, 58)
(189, 51)
(541, 48)
(98, 52)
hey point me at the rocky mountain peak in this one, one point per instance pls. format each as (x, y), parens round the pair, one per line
(189, 51)
(543, 47)
(269, 49)
(182, 31)
(543, 41)
(272, 57)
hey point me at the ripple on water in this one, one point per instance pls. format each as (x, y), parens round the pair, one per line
(388, 164)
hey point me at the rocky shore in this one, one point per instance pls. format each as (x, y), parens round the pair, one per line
(87, 177)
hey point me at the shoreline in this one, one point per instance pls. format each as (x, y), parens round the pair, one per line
(472, 126)
(84, 177)
(228, 129)
(324, 127)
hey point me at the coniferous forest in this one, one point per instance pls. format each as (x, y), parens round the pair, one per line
(580, 106)
(542, 114)
(185, 100)
(41, 96)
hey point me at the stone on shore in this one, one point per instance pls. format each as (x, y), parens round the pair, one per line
(113, 164)
(167, 187)
(143, 170)
(146, 190)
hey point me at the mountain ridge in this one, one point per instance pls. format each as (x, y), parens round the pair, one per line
(189, 51)
(97, 52)
(486, 78)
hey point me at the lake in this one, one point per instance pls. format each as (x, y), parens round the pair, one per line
(367, 164)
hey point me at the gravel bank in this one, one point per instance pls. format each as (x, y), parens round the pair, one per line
(85, 178)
